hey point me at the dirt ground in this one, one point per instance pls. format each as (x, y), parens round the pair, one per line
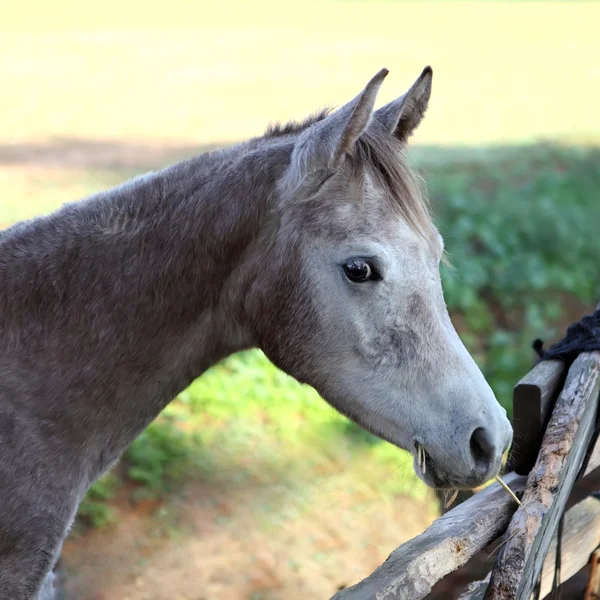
(207, 543)
(210, 543)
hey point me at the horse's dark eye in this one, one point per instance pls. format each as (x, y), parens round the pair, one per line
(359, 270)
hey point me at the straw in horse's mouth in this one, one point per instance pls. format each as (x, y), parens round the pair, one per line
(508, 490)
(421, 458)
(451, 499)
(422, 464)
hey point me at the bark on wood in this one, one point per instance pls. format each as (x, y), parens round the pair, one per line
(581, 536)
(533, 399)
(563, 449)
(592, 591)
(412, 569)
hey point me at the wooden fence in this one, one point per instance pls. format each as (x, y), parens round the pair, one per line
(555, 444)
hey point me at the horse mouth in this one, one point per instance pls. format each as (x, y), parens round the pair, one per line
(428, 472)
(426, 469)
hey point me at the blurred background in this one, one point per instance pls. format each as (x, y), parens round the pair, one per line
(249, 486)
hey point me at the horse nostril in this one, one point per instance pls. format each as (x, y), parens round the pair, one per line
(482, 448)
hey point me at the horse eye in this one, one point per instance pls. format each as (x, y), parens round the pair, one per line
(360, 270)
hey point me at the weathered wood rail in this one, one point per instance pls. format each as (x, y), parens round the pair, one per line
(555, 444)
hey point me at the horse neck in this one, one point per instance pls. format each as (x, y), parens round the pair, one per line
(131, 294)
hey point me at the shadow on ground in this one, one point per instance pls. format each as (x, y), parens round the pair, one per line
(98, 154)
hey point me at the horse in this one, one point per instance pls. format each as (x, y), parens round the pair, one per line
(313, 242)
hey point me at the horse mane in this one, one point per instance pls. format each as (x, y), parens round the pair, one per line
(382, 153)
(276, 130)
(387, 159)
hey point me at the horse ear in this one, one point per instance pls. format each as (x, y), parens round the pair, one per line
(402, 116)
(334, 137)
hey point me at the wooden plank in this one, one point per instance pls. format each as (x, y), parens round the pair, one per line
(533, 399)
(581, 537)
(412, 569)
(563, 450)
(592, 591)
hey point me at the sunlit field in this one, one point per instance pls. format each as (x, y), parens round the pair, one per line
(249, 486)
(219, 71)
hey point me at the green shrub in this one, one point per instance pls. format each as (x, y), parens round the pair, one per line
(521, 230)
(158, 457)
(94, 510)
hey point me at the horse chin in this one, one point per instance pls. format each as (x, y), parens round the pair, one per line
(444, 483)
(434, 478)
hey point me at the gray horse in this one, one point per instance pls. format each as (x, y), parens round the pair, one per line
(313, 243)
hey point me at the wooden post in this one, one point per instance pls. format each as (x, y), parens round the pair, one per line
(564, 447)
(533, 399)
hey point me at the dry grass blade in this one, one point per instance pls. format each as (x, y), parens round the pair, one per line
(512, 494)
(452, 499)
(421, 459)
(504, 542)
